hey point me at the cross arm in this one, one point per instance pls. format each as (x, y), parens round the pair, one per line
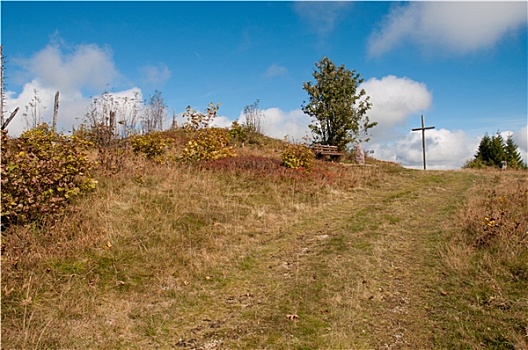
(426, 128)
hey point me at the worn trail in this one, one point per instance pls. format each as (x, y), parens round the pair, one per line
(364, 274)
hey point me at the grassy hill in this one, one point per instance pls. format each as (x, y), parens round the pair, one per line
(242, 253)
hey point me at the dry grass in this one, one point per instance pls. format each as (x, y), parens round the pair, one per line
(155, 237)
(243, 254)
(487, 264)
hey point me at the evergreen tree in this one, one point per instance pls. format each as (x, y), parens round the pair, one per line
(513, 157)
(484, 150)
(497, 154)
(492, 151)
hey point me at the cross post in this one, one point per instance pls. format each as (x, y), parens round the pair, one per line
(423, 128)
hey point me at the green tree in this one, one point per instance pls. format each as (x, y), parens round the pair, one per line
(497, 154)
(494, 150)
(337, 107)
(484, 150)
(513, 157)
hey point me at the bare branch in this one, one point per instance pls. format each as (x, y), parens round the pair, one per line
(6, 123)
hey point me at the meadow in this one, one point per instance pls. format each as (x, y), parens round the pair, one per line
(244, 253)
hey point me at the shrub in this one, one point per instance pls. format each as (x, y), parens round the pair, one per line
(110, 149)
(208, 144)
(297, 156)
(246, 135)
(99, 135)
(238, 132)
(41, 172)
(476, 163)
(152, 145)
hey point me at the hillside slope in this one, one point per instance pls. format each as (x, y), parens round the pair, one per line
(173, 257)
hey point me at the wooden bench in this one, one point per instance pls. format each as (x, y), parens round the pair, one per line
(321, 151)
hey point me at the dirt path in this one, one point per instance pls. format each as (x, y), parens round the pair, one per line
(404, 265)
(364, 275)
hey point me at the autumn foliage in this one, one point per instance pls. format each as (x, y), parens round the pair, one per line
(297, 156)
(208, 144)
(41, 172)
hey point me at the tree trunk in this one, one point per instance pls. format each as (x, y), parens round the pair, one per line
(174, 123)
(55, 111)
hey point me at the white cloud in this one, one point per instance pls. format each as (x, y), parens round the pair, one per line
(155, 74)
(221, 122)
(275, 70)
(445, 149)
(394, 99)
(53, 69)
(279, 124)
(87, 66)
(455, 27)
(323, 17)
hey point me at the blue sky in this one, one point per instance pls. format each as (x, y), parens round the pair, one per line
(462, 65)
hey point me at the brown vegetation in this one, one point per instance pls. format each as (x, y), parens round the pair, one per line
(243, 253)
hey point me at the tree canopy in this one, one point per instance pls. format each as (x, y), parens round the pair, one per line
(337, 106)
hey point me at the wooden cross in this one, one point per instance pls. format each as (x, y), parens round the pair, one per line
(423, 128)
